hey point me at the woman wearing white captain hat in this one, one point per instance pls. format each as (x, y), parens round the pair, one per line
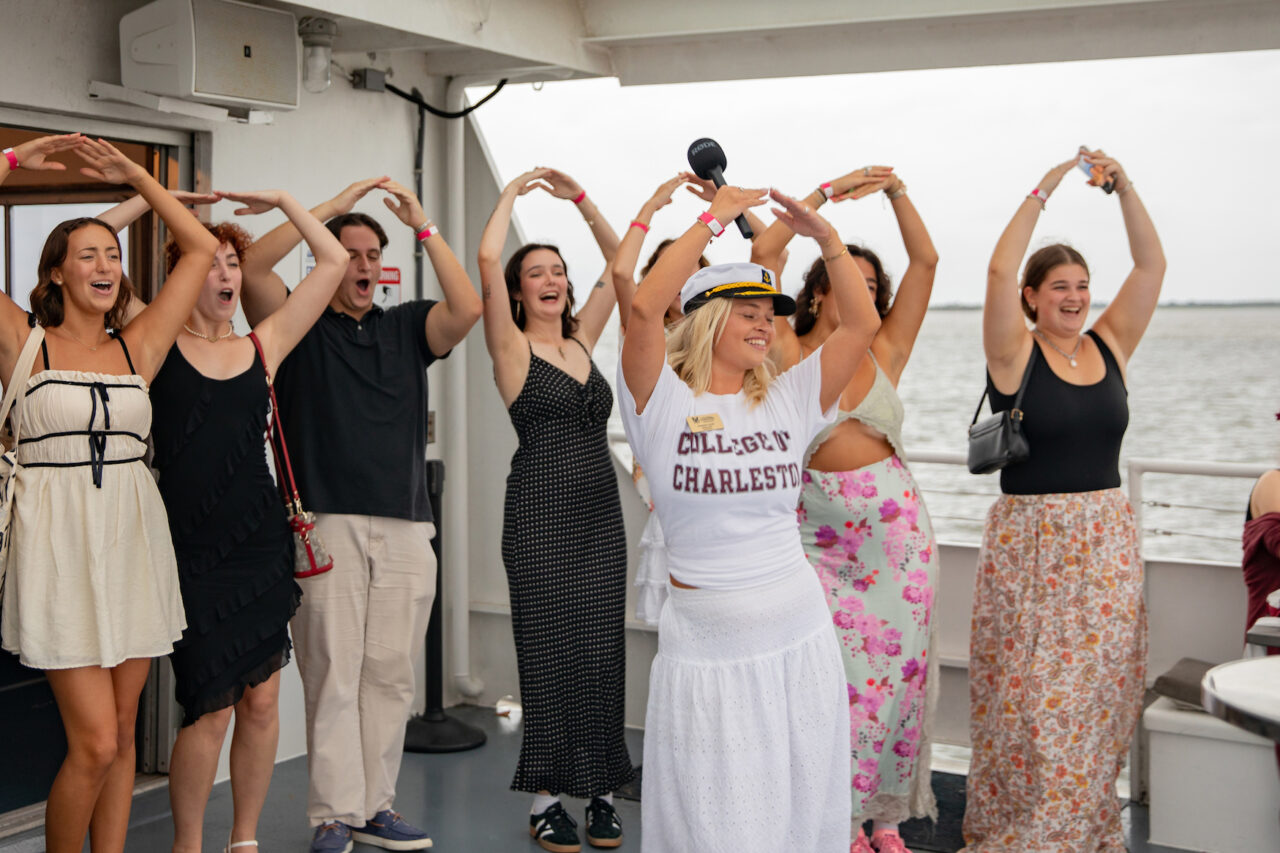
(747, 724)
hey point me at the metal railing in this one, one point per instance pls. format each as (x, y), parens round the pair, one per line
(1136, 468)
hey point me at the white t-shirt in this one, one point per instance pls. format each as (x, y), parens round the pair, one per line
(726, 498)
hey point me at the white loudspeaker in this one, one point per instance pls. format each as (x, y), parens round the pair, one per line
(216, 51)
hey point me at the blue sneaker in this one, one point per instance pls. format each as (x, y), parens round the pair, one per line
(389, 831)
(332, 837)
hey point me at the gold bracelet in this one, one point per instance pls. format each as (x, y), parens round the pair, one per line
(844, 250)
(898, 193)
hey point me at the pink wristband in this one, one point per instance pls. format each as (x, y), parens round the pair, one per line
(711, 222)
(827, 190)
(638, 224)
(428, 230)
(1039, 195)
(580, 197)
(12, 158)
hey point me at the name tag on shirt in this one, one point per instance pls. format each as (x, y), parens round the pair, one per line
(704, 423)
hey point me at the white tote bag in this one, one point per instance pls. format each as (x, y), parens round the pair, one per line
(9, 461)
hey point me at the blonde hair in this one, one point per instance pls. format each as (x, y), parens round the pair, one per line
(690, 342)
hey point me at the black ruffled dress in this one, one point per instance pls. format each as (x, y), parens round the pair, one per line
(230, 532)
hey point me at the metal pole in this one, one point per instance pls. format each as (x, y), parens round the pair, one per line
(434, 730)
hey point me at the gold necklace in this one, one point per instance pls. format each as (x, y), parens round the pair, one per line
(559, 347)
(213, 339)
(76, 338)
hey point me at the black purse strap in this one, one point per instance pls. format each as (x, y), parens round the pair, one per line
(1016, 414)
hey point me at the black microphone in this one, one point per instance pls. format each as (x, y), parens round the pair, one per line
(707, 160)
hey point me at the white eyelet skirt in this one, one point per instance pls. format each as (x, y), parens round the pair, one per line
(747, 731)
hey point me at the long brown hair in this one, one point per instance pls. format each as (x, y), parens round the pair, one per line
(817, 282)
(1041, 262)
(568, 322)
(46, 298)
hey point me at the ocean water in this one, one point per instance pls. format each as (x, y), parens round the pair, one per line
(1203, 386)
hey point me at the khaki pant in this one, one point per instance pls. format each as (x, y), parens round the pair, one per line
(356, 634)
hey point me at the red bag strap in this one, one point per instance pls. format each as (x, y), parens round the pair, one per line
(276, 431)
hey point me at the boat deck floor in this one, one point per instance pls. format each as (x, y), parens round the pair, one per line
(461, 798)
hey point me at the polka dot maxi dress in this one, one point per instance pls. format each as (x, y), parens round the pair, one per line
(564, 547)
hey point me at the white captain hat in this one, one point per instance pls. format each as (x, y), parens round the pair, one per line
(734, 281)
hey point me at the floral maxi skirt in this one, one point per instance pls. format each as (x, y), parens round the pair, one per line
(868, 536)
(1057, 663)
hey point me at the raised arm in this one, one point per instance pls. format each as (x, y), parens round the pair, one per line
(706, 190)
(770, 246)
(623, 269)
(263, 290)
(595, 311)
(127, 212)
(1005, 338)
(644, 349)
(502, 337)
(899, 329)
(280, 332)
(32, 155)
(154, 329)
(449, 321)
(561, 185)
(844, 348)
(1126, 318)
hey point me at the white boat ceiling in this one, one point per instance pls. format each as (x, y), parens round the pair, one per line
(676, 41)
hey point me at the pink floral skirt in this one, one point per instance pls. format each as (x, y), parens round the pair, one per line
(1057, 661)
(868, 536)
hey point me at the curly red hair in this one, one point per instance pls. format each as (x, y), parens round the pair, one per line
(226, 232)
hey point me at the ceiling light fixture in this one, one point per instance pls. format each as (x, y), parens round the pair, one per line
(317, 51)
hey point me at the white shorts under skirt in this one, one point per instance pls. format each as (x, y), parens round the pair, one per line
(746, 742)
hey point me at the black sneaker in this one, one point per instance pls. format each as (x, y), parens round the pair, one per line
(554, 830)
(603, 827)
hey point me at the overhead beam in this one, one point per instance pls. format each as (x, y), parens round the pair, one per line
(625, 21)
(1097, 32)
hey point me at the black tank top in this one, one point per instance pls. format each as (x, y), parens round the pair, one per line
(1074, 430)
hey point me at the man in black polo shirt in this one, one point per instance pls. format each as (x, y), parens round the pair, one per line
(353, 401)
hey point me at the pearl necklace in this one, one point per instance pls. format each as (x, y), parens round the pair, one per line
(213, 339)
(1070, 357)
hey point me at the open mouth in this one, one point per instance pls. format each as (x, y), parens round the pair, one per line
(225, 296)
(103, 286)
(363, 286)
(549, 298)
(758, 343)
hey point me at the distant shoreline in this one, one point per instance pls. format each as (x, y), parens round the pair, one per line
(977, 306)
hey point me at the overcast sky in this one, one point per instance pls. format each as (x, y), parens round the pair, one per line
(1198, 135)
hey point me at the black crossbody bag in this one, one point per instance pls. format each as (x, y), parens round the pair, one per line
(999, 440)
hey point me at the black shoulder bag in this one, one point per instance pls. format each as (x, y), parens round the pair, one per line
(999, 441)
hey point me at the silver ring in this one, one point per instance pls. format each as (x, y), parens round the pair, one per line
(866, 170)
